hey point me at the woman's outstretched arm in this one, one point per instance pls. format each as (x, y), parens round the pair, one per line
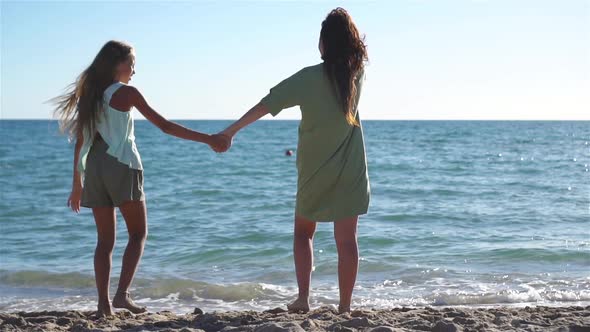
(252, 115)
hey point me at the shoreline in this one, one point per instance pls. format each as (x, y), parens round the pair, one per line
(501, 318)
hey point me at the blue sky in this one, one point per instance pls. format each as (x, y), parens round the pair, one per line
(504, 59)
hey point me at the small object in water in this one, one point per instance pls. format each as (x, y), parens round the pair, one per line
(288, 153)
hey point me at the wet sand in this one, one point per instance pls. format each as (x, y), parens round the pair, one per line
(538, 318)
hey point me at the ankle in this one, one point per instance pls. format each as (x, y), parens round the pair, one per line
(343, 308)
(103, 305)
(104, 300)
(122, 293)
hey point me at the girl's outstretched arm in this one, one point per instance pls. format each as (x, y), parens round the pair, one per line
(76, 194)
(136, 100)
(252, 115)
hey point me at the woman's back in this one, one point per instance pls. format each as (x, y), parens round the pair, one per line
(331, 162)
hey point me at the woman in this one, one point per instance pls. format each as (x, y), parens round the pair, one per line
(333, 183)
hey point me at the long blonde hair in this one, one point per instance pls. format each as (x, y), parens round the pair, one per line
(78, 108)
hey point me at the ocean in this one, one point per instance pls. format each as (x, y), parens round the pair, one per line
(474, 213)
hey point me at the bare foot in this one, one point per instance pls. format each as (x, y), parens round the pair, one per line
(122, 300)
(299, 305)
(104, 310)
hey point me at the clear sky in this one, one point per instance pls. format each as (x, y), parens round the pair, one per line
(429, 59)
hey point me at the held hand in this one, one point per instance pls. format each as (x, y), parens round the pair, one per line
(227, 141)
(220, 142)
(75, 198)
(228, 138)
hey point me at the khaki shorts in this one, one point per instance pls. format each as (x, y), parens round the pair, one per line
(107, 181)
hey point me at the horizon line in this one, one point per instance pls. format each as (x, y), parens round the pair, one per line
(365, 120)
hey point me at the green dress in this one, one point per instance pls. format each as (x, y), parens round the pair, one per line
(333, 182)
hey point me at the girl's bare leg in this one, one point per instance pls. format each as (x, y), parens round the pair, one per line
(135, 215)
(105, 220)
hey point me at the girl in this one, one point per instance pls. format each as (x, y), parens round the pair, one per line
(107, 167)
(333, 183)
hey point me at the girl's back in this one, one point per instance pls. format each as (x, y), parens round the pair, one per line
(116, 128)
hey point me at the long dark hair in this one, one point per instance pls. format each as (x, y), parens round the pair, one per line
(344, 55)
(80, 105)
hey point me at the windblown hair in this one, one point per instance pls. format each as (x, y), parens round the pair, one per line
(79, 107)
(344, 55)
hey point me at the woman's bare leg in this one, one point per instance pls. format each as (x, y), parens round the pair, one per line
(348, 259)
(135, 215)
(303, 255)
(105, 220)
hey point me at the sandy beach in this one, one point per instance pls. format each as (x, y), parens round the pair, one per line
(538, 318)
